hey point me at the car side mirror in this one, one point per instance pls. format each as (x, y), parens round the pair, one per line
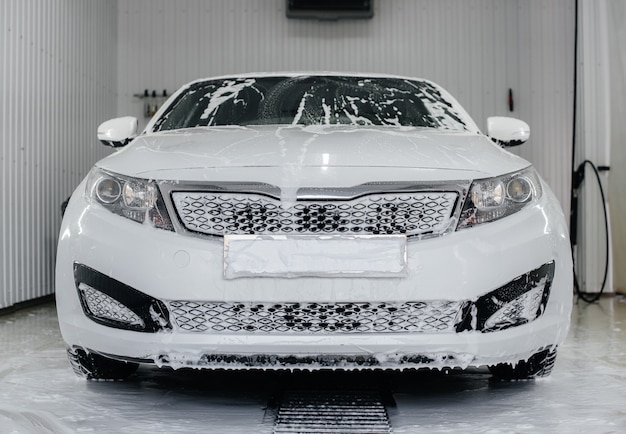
(506, 131)
(118, 132)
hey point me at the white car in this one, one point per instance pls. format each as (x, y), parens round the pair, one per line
(313, 221)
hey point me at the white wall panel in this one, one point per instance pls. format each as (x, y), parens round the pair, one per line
(593, 142)
(58, 80)
(617, 177)
(477, 49)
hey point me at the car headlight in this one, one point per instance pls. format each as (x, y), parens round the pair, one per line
(134, 198)
(494, 198)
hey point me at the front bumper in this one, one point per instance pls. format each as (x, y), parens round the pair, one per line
(462, 267)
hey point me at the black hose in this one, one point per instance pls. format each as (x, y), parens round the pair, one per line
(577, 178)
(581, 295)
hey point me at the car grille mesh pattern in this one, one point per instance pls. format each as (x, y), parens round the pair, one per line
(103, 306)
(424, 317)
(251, 214)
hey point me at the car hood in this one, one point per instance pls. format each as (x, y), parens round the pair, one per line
(312, 155)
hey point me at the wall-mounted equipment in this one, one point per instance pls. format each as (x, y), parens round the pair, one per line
(152, 101)
(330, 9)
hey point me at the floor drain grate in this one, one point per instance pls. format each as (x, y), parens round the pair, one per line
(347, 412)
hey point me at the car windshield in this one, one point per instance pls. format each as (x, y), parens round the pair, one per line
(311, 100)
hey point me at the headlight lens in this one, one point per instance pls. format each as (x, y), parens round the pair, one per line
(133, 198)
(488, 194)
(519, 189)
(108, 190)
(494, 198)
(139, 194)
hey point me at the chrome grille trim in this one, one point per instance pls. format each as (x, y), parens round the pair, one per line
(316, 318)
(195, 208)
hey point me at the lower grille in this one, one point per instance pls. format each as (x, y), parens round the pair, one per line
(518, 302)
(416, 317)
(111, 303)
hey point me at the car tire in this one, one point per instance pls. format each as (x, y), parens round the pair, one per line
(94, 366)
(538, 365)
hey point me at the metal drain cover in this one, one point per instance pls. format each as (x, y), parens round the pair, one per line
(332, 412)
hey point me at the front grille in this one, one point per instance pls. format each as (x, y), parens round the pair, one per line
(228, 213)
(420, 317)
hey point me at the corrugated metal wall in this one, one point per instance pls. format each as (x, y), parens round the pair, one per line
(58, 81)
(617, 178)
(477, 49)
(593, 142)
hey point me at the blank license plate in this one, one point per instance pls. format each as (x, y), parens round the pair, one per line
(320, 256)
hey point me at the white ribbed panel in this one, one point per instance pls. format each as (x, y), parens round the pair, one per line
(477, 49)
(58, 81)
(593, 141)
(617, 177)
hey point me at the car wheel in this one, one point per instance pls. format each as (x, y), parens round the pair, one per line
(93, 366)
(538, 365)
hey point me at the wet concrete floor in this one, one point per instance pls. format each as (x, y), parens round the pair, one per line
(586, 393)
